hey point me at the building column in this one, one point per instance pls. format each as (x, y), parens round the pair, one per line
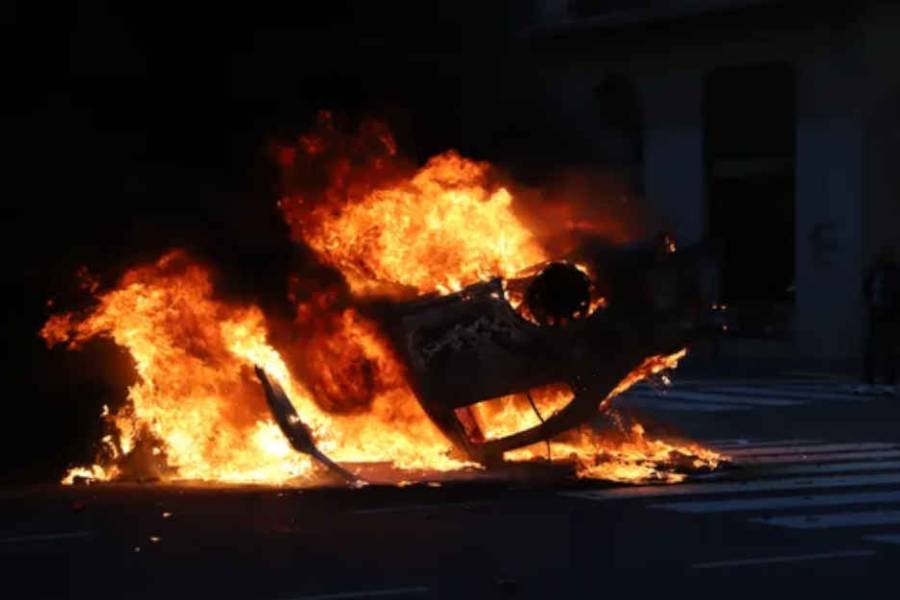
(673, 151)
(829, 317)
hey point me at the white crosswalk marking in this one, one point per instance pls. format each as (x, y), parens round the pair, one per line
(813, 485)
(887, 538)
(838, 467)
(815, 457)
(811, 449)
(780, 502)
(713, 398)
(790, 393)
(809, 468)
(765, 560)
(801, 483)
(718, 395)
(744, 443)
(853, 519)
(657, 403)
(770, 381)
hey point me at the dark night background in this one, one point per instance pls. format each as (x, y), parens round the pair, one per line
(131, 128)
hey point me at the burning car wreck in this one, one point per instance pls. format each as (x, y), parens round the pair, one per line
(458, 336)
(556, 327)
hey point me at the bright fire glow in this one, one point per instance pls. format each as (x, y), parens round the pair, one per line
(510, 414)
(196, 411)
(436, 229)
(652, 365)
(197, 397)
(635, 457)
(628, 455)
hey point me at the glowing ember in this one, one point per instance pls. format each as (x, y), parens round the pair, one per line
(635, 458)
(625, 456)
(91, 473)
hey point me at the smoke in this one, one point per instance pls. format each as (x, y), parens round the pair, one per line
(329, 168)
(574, 204)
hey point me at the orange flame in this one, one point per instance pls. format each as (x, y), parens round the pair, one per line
(195, 410)
(508, 414)
(196, 398)
(652, 365)
(436, 229)
(627, 456)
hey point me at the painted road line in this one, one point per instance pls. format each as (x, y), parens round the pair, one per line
(665, 404)
(744, 443)
(756, 381)
(766, 560)
(765, 485)
(834, 386)
(887, 538)
(836, 467)
(813, 449)
(727, 442)
(46, 537)
(842, 386)
(703, 397)
(868, 466)
(781, 459)
(408, 591)
(794, 393)
(827, 521)
(779, 503)
(804, 395)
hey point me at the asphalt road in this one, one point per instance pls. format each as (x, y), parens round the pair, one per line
(810, 509)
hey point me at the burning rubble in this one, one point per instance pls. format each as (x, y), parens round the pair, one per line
(459, 340)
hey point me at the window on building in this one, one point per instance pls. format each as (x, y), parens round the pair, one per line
(749, 127)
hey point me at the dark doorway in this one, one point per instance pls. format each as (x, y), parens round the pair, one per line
(749, 151)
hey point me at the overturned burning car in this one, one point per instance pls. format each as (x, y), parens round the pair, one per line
(449, 333)
(562, 325)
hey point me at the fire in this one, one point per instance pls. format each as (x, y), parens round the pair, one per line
(628, 455)
(196, 412)
(436, 229)
(197, 403)
(508, 414)
(92, 473)
(456, 232)
(636, 458)
(651, 366)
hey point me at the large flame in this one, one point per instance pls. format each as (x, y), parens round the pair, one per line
(197, 401)
(195, 410)
(438, 228)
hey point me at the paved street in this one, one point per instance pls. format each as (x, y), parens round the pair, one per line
(809, 508)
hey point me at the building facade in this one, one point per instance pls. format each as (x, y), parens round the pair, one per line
(768, 127)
